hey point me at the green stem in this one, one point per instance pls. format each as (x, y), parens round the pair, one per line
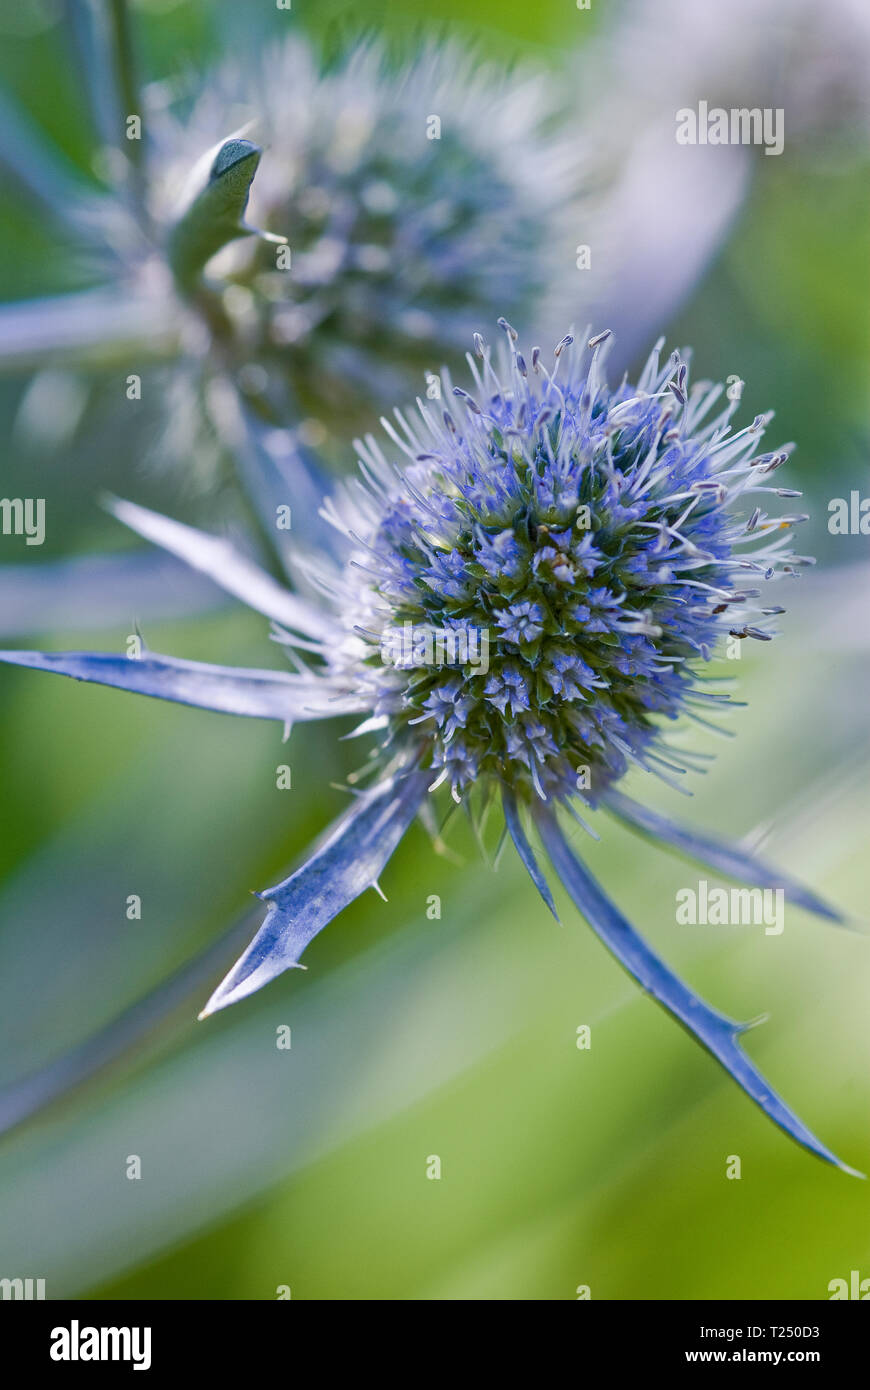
(126, 79)
(128, 100)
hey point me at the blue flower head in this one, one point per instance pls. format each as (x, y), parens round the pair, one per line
(600, 539)
(556, 562)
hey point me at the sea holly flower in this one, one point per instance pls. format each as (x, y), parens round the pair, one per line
(537, 457)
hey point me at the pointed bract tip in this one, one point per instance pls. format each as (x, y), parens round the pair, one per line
(232, 990)
(231, 153)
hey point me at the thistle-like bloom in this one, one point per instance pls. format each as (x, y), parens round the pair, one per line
(415, 204)
(571, 555)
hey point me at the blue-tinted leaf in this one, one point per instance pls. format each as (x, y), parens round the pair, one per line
(97, 328)
(277, 470)
(223, 564)
(727, 859)
(717, 1032)
(525, 851)
(346, 864)
(226, 689)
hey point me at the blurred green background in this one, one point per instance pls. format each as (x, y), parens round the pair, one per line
(455, 1037)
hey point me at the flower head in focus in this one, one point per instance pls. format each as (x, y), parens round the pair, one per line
(589, 537)
(525, 591)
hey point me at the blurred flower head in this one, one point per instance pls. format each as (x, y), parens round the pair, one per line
(415, 202)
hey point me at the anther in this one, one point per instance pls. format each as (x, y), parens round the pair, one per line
(469, 400)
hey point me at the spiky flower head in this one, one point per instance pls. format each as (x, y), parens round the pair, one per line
(416, 203)
(583, 549)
